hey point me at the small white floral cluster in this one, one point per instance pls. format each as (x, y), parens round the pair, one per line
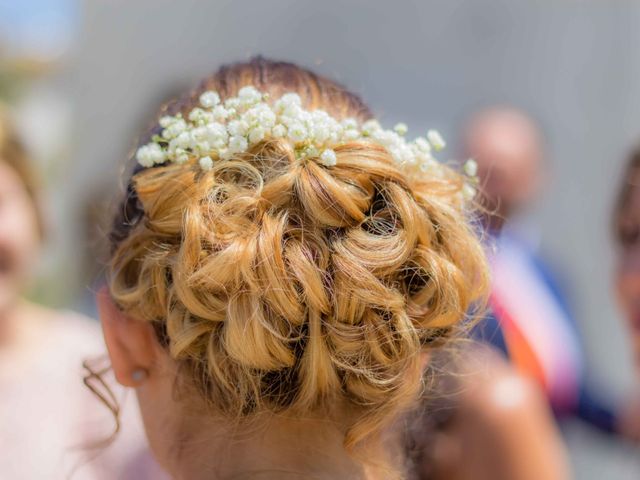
(217, 131)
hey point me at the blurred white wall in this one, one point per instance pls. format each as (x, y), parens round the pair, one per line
(575, 65)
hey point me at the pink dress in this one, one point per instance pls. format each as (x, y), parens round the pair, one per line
(48, 417)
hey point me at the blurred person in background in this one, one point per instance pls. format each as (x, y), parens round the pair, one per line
(626, 228)
(48, 418)
(626, 225)
(486, 422)
(531, 322)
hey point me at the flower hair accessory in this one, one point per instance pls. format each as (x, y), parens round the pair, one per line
(216, 131)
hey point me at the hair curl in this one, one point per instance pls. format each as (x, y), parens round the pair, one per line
(279, 284)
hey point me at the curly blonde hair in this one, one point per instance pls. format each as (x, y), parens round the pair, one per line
(279, 284)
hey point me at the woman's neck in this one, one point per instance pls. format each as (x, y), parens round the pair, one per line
(19, 321)
(280, 448)
(23, 334)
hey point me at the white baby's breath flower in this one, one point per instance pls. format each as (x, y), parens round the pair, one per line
(194, 115)
(249, 96)
(238, 144)
(388, 138)
(406, 155)
(335, 133)
(232, 103)
(198, 134)
(370, 127)
(320, 116)
(292, 113)
(220, 113)
(436, 140)
(200, 116)
(401, 153)
(257, 134)
(174, 129)
(206, 163)
(288, 100)
(203, 147)
(298, 132)
(181, 156)
(470, 167)
(309, 151)
(350, 135)
(349, 123)
(150, 155)
(222, 130)
(143, 157)
(260, 115)
(171, 149)
(166, 120)
(183, 140)
(209, 99)
(320, 132)
(237, 127)
(349, 129)
(216, 134)
(422, 145)
(401, 128)
(266, 117)
(279, 131)
(328, 158)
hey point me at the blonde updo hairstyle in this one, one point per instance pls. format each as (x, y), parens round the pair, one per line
(281, 285)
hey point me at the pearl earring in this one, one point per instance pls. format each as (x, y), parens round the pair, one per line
(139, 375)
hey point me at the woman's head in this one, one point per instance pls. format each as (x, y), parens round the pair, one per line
(20, 221)
(626, 224)
(276, 284)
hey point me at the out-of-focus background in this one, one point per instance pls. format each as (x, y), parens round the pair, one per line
(83, 77)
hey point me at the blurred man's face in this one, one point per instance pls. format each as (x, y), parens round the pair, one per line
(628, 268)
(509, 174)
(19, 235)
(506, 145)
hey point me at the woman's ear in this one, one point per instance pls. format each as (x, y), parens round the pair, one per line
(130, 342)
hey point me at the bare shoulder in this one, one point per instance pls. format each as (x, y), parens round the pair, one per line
(70, 333)
(508, 413)
(491, 387)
